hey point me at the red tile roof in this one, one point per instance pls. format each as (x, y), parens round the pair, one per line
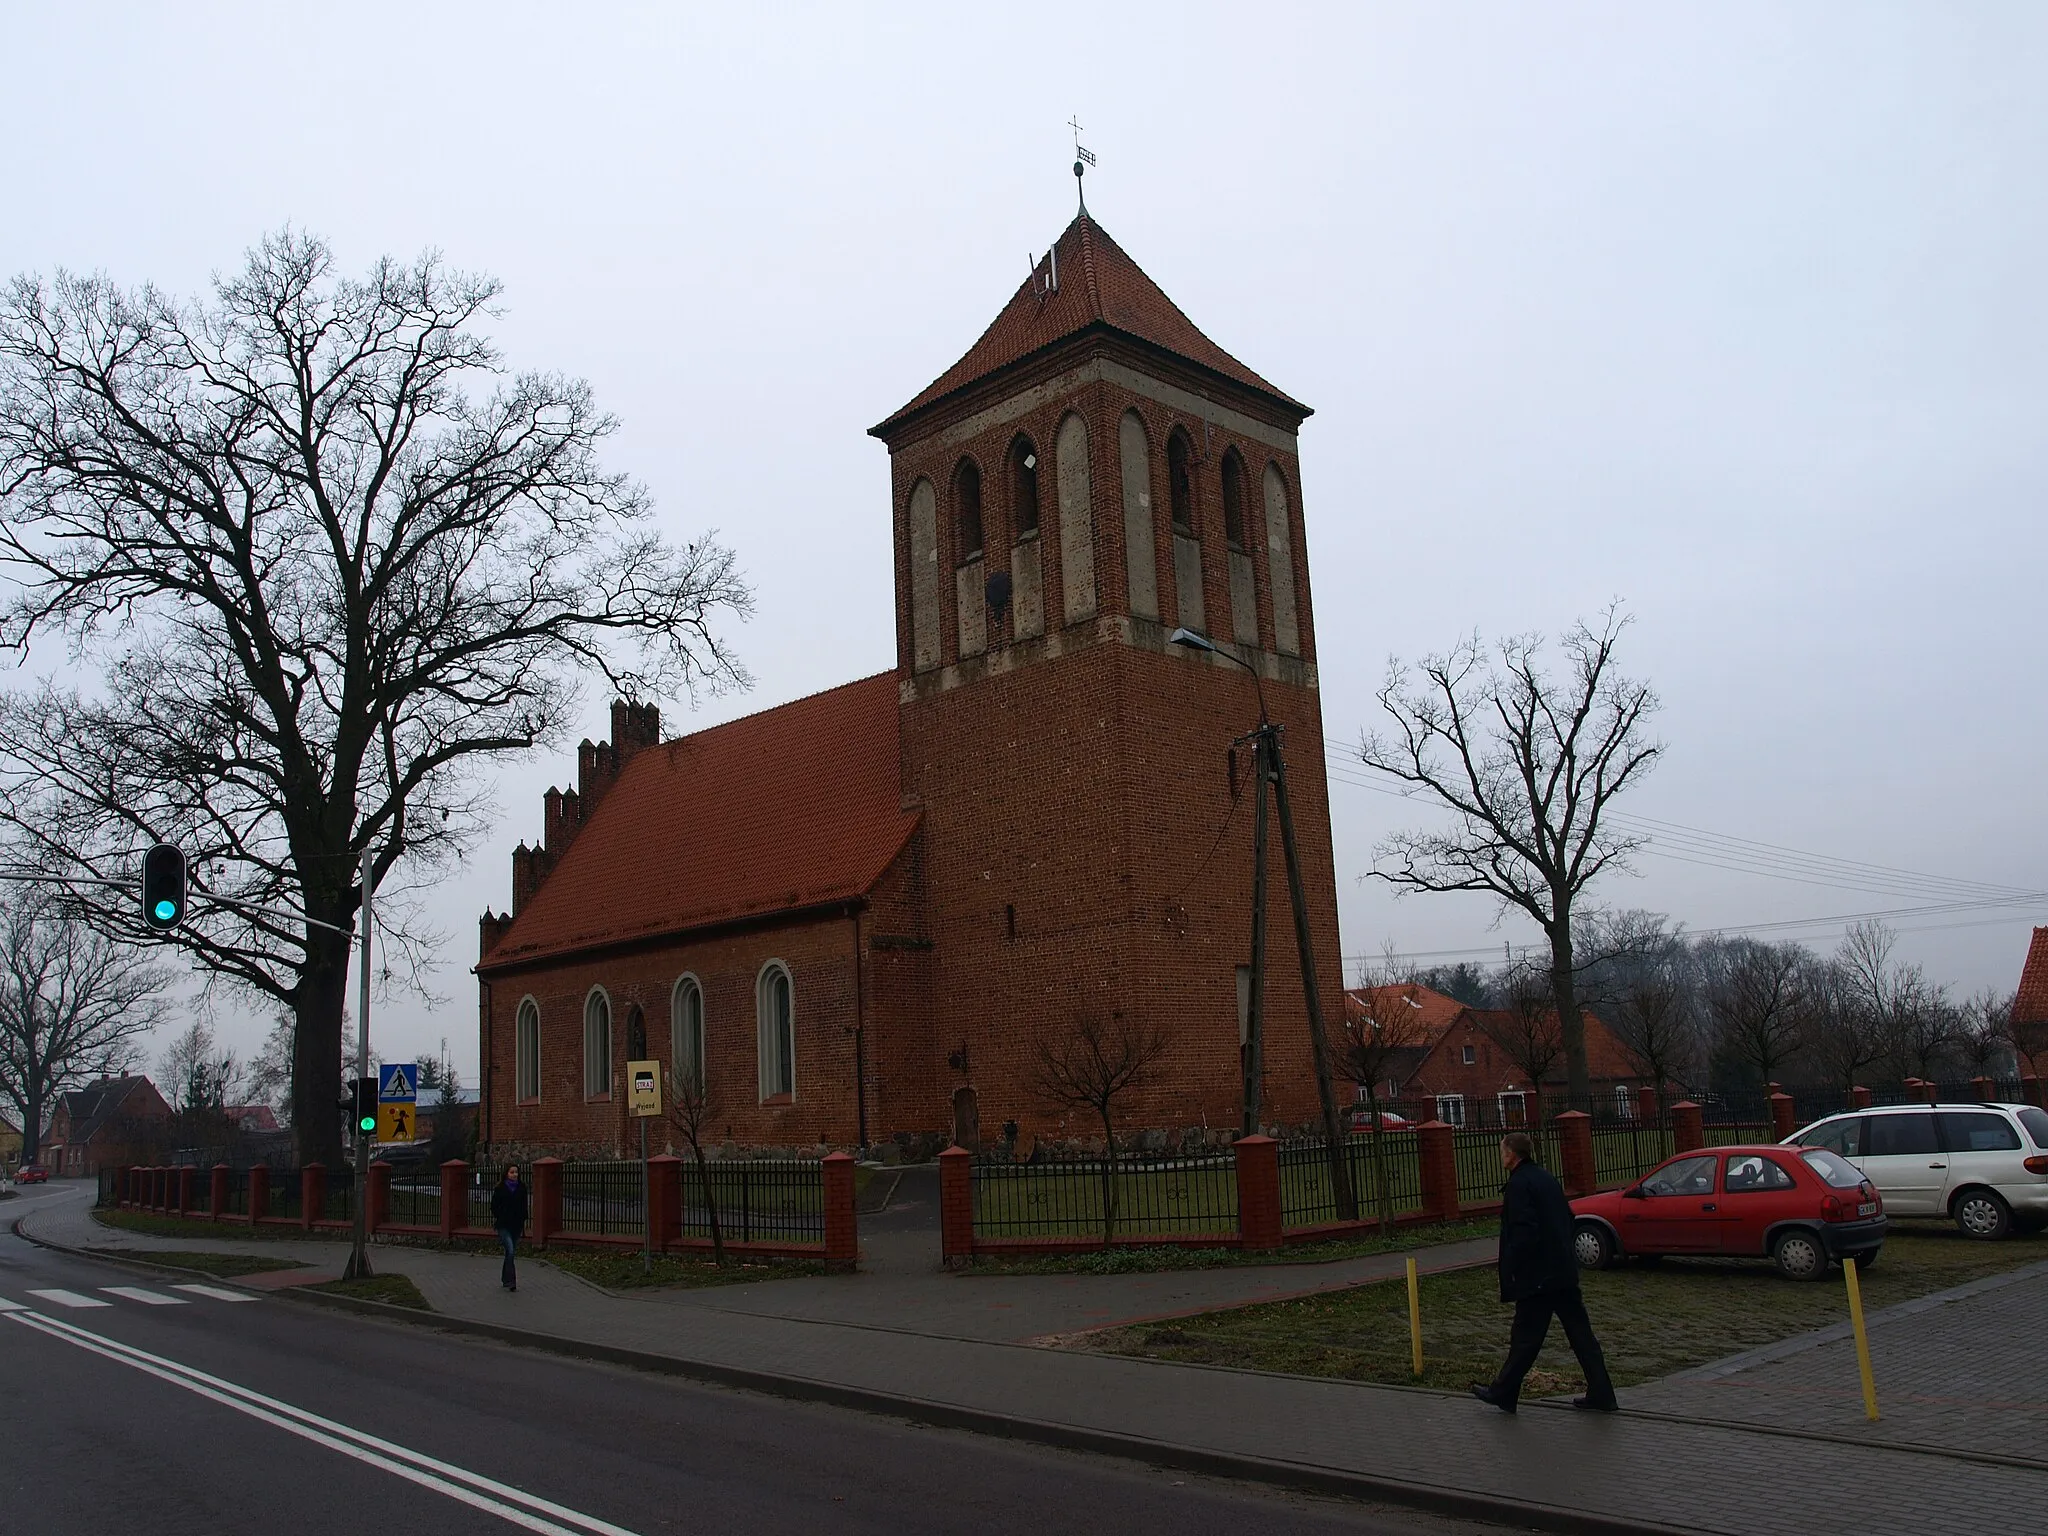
(1098, 286)
(2030, 1003)
(1434, 1012)
(798, 806)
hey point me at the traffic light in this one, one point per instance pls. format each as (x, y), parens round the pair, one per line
(364, 1105)
(163, 887)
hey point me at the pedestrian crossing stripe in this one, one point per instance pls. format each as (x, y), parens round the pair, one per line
(11, 1306)
(71, 1299)
(147, 1298)
(212, 1291)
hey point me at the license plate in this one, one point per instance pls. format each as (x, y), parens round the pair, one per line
(1867, 1208)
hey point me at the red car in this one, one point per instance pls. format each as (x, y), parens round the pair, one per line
(32, 1173)
(1361, 1121)
(1799, 1206)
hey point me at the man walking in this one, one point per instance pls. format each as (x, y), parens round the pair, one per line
(1540, 1275)
(508, 1215)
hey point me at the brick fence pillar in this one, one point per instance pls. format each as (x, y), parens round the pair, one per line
(1646, 1104)
(547, 1199)
(454, 1197)
(1783, 1121)
(1859, 1097)
(1258, 1192)
(312, 1194)
(956, 1204)
(1687, 1133)
(187, 1177)
(1985, 1090)
(842, 1224)
(1436, 1147)
(131, 1185)
(377, 1211)
(160, 1189)
(217, 1195)
(259, 1192)
(664, 1200)
(1575, 1141)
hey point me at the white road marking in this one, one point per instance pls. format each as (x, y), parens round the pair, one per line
(442, 1477)
(9, 1306)
(213, 1292)
(147, 1298)
(71, 1299)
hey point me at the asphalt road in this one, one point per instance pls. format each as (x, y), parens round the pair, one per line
(167, 1411)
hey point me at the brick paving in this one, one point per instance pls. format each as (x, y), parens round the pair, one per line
(1961, 1371)
(1655, 1470)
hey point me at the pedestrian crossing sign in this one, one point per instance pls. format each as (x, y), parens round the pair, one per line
(397, 1122)
(398, 1082)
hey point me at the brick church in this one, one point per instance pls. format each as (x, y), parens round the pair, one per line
(856, 915)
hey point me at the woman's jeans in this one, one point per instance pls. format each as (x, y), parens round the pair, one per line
(509, 1239)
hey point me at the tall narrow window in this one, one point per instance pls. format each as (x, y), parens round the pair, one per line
(1180, 489)
(636, 1034)
(1233, 499)
(1023, 487)
(967, 506)
(527, 1039)
(686, 1019)
(778, 1033)
(597, 1045)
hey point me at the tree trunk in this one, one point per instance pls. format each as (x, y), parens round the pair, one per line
(710, 1204)
(1108, 1183)
(32, 1133)
(316, 1051)
(1382, 1196)
(1564, 993)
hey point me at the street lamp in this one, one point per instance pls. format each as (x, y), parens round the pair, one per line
(1269, 765)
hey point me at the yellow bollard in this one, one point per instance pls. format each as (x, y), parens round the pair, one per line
(1415, 1317)
(1862, 1339)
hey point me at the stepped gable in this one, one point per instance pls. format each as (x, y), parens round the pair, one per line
(792, 808)
(1100, 288)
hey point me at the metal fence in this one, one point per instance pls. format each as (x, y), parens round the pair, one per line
(1307, 1198)
(601, 1199)
(778, 1200)
(1158, 1195)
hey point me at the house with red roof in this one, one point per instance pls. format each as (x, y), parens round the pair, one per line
(2030, 1008)
(858, 917)
(1466, 1066)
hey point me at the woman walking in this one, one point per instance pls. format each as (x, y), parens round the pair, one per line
(508, 1215)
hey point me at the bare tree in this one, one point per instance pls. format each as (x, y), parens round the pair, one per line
(1473, 985)
(1987, 1043)
(1843, 1032)
(1655, 1023)
(1092, 1066)
(198, 1074)
(1756, 995)
(689, 1111)
(74, 1005)
(1382, 1038)
(269, 1077)
(1528, 1032)
(1529, 766)
(334, 562)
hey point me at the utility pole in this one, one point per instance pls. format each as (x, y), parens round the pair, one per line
(358, 1267)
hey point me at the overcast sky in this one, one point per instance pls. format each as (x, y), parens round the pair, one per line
(1735, 312)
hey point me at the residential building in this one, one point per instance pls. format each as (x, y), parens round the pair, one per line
(107, 1124)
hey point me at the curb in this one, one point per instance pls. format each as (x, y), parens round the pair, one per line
(1301, 1476)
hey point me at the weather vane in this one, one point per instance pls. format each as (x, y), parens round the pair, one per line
(1082, 160)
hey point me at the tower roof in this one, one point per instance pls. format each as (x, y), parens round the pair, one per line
(1100, 289)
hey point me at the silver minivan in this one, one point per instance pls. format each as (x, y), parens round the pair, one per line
(1985, 1165)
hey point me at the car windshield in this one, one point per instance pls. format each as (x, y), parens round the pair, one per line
(1838, 1171)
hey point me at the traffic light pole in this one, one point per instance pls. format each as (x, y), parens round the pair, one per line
(358, 1267)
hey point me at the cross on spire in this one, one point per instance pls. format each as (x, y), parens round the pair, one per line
(1082, 160)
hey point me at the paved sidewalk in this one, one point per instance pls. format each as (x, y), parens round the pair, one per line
(1961, 1371)
(1652, 1473)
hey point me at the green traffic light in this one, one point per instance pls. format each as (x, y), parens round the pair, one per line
(167, 911)
(367, 1123)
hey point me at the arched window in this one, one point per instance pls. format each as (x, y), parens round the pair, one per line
(597, 1045)
(967, 507)
(526, 1038)
(636, 1034)
(1233, 499)
(1023, 487)
(778, 1031)
(1180, 489)
(686, 1021)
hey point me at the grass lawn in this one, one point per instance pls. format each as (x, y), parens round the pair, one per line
(180, 1226)
(222, 1265)
(1130, 1261)
(621, 1271)
(1652, 1320)
(393, 1290)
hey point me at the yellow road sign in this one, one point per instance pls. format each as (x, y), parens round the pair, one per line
(397, 1122)
(643, 1087)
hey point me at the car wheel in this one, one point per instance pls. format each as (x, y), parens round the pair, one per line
(1592, 1247)
(1980, 1213)
(1800, 1256)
